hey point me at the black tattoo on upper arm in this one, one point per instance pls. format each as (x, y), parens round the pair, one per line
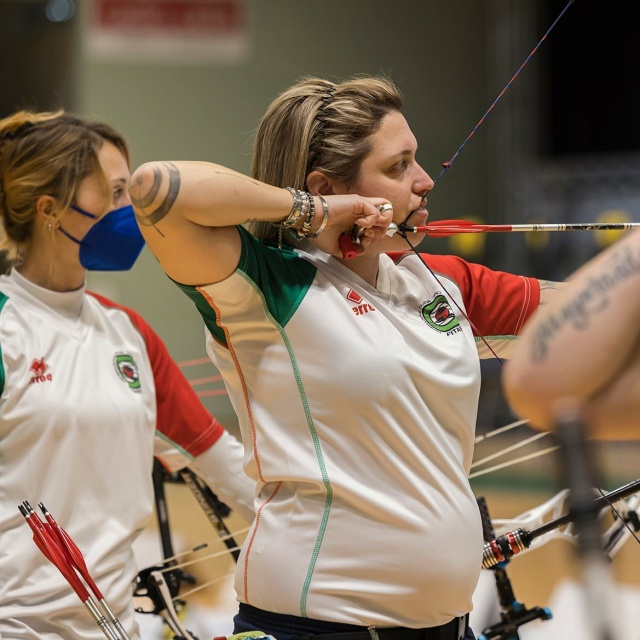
(145, 200)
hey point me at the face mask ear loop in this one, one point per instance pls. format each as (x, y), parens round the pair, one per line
(68, 235)
(83, 212)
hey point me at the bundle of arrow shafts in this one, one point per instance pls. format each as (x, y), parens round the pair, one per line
(58, 547)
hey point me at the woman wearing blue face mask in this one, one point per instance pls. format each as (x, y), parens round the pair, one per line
(89, 394)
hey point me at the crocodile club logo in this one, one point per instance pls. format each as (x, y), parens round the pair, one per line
(439, 315)
(127, 369)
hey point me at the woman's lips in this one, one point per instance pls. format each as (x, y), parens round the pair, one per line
(422, 213)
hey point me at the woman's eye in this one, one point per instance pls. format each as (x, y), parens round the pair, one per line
(399, 166)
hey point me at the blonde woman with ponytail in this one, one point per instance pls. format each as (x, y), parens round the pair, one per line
(355, 380)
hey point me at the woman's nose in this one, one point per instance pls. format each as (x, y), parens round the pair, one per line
(423, 182)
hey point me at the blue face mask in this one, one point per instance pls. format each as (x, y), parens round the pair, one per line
(112, 244)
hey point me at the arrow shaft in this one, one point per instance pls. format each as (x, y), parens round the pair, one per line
(445, 229)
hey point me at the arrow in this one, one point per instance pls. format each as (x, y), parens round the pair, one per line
(442, 228)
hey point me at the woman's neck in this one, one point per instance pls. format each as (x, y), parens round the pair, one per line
(366, 266)
(52, 275)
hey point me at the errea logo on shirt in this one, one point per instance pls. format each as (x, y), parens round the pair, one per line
(361, 307)
(439, 315)
(127, 369)
(38, 368)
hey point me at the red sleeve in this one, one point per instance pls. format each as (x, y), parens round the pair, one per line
(181, 417)
(496, 302)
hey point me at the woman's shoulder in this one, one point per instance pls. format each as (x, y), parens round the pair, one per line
(266, 263)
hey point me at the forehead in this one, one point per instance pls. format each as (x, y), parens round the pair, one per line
(393, 138)
(113, 163)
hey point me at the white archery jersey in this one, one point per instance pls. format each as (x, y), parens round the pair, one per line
(77, 433)
(358, 405)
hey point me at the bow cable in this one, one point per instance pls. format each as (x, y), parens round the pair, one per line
(447, 165)
(453, 300)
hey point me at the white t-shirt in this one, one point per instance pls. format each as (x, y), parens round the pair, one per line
(88, 395)
(358, 407)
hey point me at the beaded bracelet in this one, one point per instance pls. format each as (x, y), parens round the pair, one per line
(325, 218)
(303, 205)
(308, 221)
(298, 208)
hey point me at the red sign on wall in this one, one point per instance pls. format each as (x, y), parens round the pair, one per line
(168, 30)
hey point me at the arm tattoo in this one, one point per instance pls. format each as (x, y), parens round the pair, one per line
(548, 284)
(592, 298)
(251, 181)
(238, 176)
(145, 200)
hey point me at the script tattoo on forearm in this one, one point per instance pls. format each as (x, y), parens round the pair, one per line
(592, 298)
(144, 200)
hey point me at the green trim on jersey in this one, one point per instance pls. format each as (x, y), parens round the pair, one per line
(3, 377)
(323, 470)
(282, 284)
(280, 279)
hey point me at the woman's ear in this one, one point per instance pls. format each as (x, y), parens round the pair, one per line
(47, 211)
(319, 183)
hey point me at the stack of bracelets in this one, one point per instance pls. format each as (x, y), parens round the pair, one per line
(303, 205)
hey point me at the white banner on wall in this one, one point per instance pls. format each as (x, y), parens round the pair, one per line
(167, 31)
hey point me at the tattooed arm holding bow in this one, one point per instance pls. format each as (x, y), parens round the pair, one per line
(585, 345)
